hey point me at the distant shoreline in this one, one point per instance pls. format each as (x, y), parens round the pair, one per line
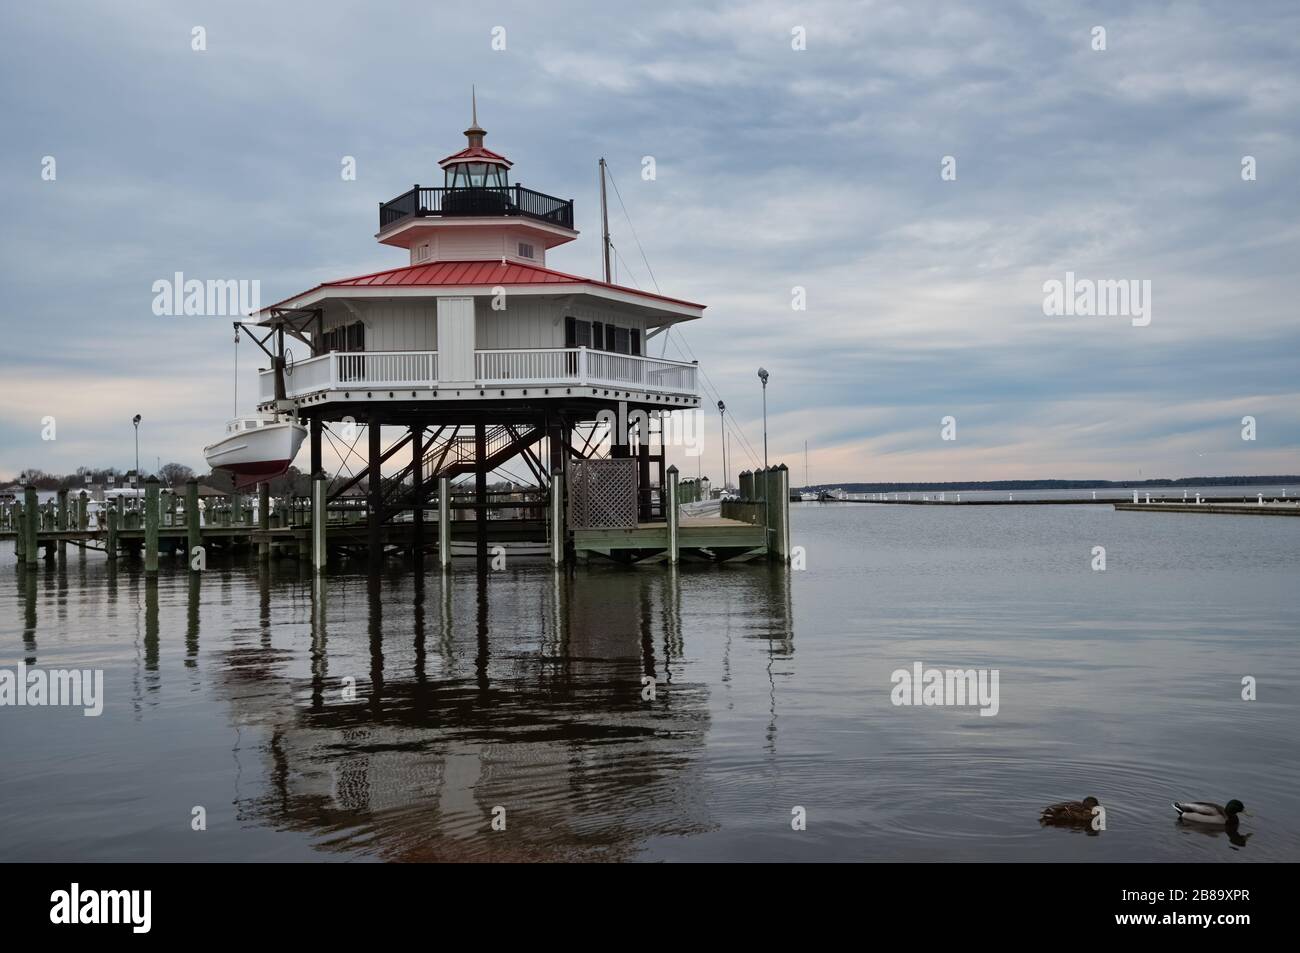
(1012, 485)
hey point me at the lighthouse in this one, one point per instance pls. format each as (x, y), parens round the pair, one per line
(472, 353)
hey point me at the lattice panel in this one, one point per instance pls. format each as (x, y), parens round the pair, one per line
(602, 494)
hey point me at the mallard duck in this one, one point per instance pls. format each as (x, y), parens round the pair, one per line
(1069, 812)
(1205, 812)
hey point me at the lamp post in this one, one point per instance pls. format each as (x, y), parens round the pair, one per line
(722, 409)
(762, 376)
(136, 421)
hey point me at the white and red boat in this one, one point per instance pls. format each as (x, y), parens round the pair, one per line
(256, 448)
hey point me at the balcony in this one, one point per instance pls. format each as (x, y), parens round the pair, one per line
(480, 202)
(499, 369)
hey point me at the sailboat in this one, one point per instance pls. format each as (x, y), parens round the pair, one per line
(807, 496)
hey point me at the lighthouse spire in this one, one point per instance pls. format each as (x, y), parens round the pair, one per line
(475, 132)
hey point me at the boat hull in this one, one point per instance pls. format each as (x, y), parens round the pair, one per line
(257, 455)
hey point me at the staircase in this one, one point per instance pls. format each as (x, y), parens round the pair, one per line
(453, 457)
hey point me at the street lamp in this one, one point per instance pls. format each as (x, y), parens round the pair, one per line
(136, 420)
(762, 376)
(722, 409)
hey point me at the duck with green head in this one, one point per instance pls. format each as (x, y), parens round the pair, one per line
(1207, 812)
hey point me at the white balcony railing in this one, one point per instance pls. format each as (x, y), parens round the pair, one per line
(517, 367)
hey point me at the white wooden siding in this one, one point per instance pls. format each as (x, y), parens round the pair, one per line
(526, 322)
(392, 325)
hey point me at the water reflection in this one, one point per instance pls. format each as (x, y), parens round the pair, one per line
(388, 717)
(550, 724)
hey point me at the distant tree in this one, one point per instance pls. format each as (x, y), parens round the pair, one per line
(222, 480)
(174, 474)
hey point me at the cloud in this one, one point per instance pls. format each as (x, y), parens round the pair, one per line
(776, 168)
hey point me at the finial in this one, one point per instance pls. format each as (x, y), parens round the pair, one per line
(475, 132)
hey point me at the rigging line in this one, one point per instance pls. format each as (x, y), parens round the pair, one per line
(619, 258)
(632, 227)
(749, 449)
(713, 392)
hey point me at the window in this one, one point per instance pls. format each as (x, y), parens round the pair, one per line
(525, 250)
(602, 336)
(351, 337)
(356, 337)
(577, 333)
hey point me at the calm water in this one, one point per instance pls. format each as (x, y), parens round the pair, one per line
(524, 691)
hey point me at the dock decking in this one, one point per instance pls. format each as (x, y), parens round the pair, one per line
(698, 537)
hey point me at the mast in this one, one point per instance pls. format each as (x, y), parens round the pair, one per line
(604, 219)
(805, 464)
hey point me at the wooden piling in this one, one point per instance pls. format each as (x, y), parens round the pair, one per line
(64, 520)
(444, 522)
(20, 532)
(674, 516)
(779, 505)
(557, 516)
(480, 495)
(83, 511)
(110, 542)
(193, 529)
(264, 519)
(417, 490)
(152, 512)
(319, 517)
(374, 496)
(31, 511)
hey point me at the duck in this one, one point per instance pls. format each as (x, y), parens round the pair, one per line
(1069, 812)
(1207, 812)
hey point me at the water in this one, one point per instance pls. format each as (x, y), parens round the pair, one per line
(524, 691)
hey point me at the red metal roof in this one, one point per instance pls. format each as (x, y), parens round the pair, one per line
(485, 273)
(481, 153)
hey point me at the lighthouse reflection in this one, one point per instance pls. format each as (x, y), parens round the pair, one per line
(527, 714)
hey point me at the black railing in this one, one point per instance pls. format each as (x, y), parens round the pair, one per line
(512, 200)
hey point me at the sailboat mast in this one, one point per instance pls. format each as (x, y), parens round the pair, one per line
(604, 219)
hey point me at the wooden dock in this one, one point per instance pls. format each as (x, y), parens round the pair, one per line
(700, 538)
(744, 530)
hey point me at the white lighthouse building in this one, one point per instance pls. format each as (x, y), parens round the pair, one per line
(473, 347)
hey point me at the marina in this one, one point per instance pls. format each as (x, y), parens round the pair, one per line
(844, 434)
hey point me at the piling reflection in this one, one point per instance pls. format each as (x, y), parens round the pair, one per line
(550, 724)
(27, 586)
(193, 597)
(389, 715)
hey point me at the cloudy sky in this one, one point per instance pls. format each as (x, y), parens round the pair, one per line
(777, 168)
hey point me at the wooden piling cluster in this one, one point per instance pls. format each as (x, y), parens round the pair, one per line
(765, 500)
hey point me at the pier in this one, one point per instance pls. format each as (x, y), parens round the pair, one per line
(171, 525)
